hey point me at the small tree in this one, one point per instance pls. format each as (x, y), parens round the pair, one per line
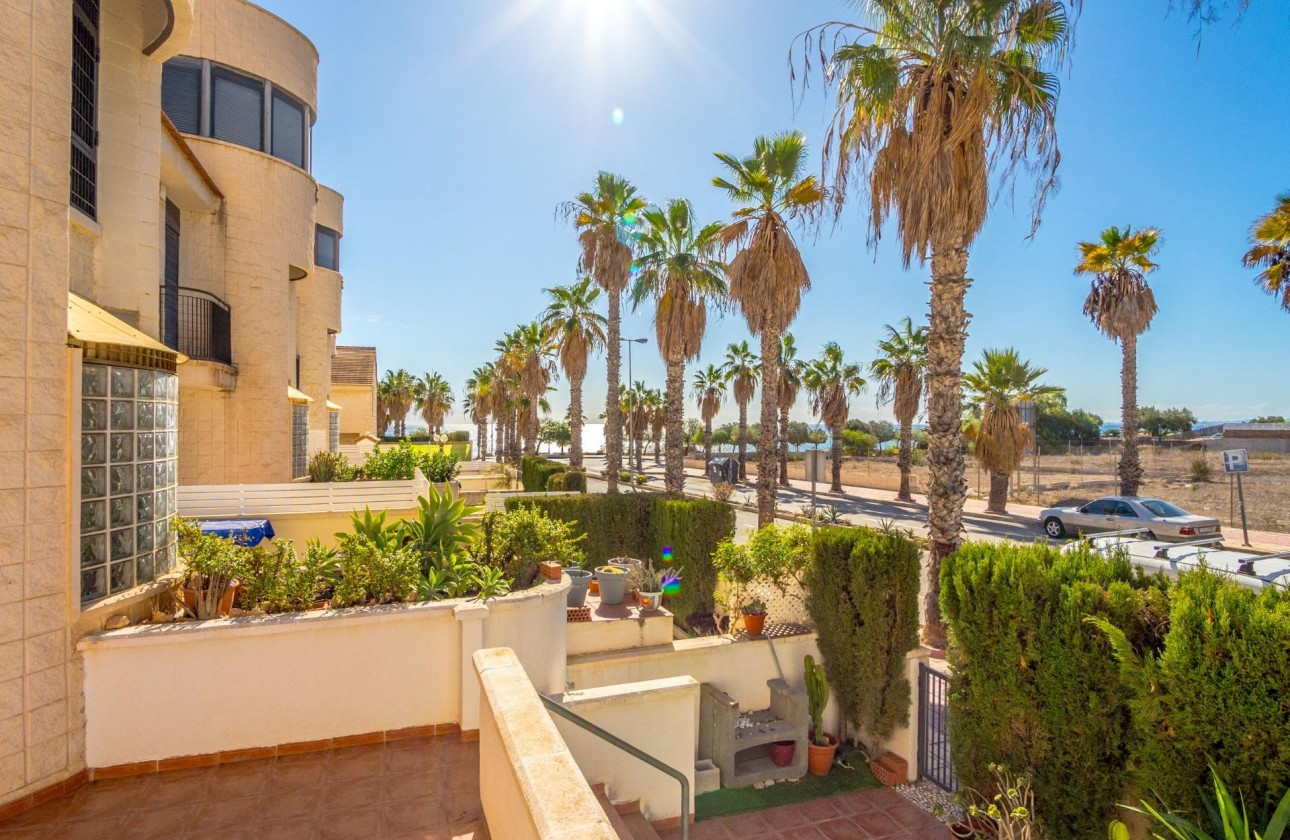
(862, 594)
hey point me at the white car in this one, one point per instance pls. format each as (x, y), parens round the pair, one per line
(1165, 521)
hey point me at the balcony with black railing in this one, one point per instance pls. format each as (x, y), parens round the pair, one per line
(196, 323)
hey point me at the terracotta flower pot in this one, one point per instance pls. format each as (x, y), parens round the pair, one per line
(189, 597)
(819, 760)
(754, 623)
(781, 752)
(593, 588)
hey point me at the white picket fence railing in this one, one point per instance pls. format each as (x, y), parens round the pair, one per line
(266, 500)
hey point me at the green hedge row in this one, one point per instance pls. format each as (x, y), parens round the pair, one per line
(1199, 672)
(640, 525)
(862, 593)
(536, 471)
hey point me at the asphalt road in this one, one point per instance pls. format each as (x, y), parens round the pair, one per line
(858, 506)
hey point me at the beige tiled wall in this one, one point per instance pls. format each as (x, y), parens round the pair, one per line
(35, 746)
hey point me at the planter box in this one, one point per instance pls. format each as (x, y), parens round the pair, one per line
(890, 769)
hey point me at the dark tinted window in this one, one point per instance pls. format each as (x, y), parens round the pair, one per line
(1125, 509)
(1102, 507)
(237, 108)
(288, 129)
(326, 248)
(1163, 509)
(181, 94)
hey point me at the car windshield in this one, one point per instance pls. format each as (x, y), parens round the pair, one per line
(1161, 508)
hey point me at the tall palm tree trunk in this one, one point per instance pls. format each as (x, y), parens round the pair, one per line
(998, 493)
(707, 445)
(513, 437)
(783, 444)
(481, 435)
(835, 433)
(613, 416)
(575, 424)
(1129, 468)
(499, 439)
(674, 439)
(905, 460)
(946, 487)
(743, 442)
(767, 455)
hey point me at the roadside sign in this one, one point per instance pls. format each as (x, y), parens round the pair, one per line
(1236, 461)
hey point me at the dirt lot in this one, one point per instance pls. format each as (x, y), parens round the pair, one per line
(1083, 475)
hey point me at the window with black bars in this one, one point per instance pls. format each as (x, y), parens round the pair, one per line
(85, 77)
(299, 440)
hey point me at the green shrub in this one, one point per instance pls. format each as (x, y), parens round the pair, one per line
(862, 594)
(1199, 469)
(368, 574)
(1035, 687)
(1216, 695)
(555, 482)
(274, 580)
(576, 481)
(535, 471)
(211, 564)
(459, 437)
(330, 466)
(439, 467)
(773, 555)
(400, 463)
(641, 525)
(518, 539)
(439, 533)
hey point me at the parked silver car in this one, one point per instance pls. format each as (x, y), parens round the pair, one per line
(1121, 513)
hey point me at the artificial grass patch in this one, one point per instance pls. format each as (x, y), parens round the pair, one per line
(729, 801)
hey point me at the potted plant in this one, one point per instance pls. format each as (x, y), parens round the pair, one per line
(213, 565)
(653, 584)
(822, 747)
(580, 581)
(754, 613)
(613, 582)
(781, 752)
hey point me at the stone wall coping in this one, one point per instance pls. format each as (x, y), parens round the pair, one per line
(679, 646)
(179, 632)
(611, 695)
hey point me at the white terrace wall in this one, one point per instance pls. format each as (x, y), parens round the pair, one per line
(659, 717)
(163, 691)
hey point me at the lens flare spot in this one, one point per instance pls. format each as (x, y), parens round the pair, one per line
(616, 116)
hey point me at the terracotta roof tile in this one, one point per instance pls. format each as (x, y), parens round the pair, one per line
(354, 366)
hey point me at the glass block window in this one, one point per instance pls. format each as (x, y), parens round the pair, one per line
(333, 431)
(129, 441)
(299, 440)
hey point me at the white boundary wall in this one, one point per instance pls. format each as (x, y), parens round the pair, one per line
(196, 688)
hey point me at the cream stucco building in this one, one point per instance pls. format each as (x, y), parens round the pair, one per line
(170, 292)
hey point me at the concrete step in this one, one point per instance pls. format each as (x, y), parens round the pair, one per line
(626, 818)
(640, 827)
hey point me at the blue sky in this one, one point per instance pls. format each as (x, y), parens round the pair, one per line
(454, 130)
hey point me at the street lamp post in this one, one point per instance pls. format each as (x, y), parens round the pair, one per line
(631, 466)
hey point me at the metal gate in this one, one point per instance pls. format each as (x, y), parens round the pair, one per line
(934, 762)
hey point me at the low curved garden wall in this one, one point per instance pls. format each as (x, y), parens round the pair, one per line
(200, 688)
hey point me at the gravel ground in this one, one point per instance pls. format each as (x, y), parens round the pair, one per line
(932, 799)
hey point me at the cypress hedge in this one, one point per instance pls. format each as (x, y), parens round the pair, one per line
(1218, 692)
(1035, 685)
(640, 525)
(862, 594)
(536, 471)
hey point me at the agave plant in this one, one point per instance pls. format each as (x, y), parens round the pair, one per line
(1227, 816)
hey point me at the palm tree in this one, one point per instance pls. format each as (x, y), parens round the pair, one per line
(831, 381)
(790, 384)
(532, 350)
(656, 405)
(679, 271)
(709, 391)
(767, 275)
(995, 387)
(899, 371)
(1270, 238)
(577, 329)
(743, 372)
(398, 389)
(477, 401)
(933, 98)
(1121, 305)
(606, 219)
(433, 398)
